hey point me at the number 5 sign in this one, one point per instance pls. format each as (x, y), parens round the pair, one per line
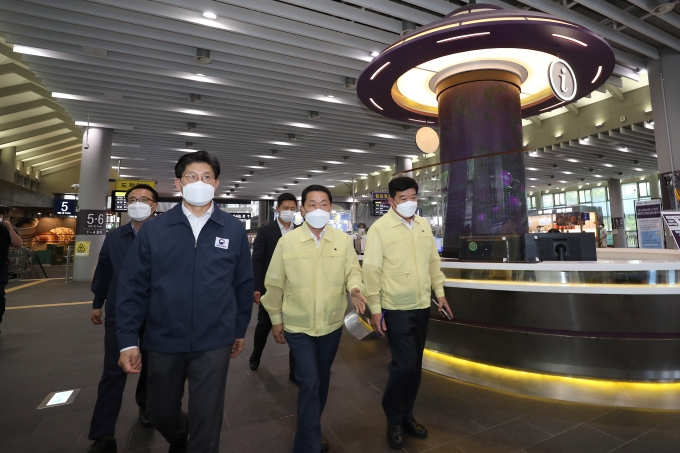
(91, 222)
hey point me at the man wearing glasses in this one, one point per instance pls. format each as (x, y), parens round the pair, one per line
(189, 275)
(141, 201)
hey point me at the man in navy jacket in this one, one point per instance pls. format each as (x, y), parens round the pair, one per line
(104, 286)
(189, 275)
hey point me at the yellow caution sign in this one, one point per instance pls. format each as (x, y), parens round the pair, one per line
(127, 184)
(82, 248)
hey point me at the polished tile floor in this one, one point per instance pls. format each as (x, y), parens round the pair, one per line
(55, 348)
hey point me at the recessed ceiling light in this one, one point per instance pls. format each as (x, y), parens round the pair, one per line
(330, 96)
(598, 176)
(638, 169)
(608, 165)
(375, 54)
(200, 75)
(533, 179)
(563, 182)
(532, 168)
(385, 135)
(572, 160)
(357, 151)
(567, 172)
(209, 15)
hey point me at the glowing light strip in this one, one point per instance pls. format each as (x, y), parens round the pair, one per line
(493, 19)
(373, 102)
(464, 37)
(657, 395)
(552, 106)
(419, 121)
(580, 43)
(378, 71)
(599, 71)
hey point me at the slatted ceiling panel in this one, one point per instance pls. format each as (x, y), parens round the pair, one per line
(273, 62)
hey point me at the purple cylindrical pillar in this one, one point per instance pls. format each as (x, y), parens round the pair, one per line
(486, 195)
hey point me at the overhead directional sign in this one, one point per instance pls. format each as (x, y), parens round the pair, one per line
(127, 184)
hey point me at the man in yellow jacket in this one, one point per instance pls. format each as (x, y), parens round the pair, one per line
(401, 267)
(311, 271)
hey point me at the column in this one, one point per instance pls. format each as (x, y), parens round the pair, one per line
(480, 115)
(266, 213)
(8, 157)
(616, 212)
(539, 199)
(654, 186)
(666, 111)
(403, 164)
(95, 168)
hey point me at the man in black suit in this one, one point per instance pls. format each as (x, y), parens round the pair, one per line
(141, 201)
(263, 249)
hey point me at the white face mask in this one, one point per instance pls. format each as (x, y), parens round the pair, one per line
(198, 193)
(287, 216)
(407, 209)
(318, 218)
(139, 211)
(360, 231)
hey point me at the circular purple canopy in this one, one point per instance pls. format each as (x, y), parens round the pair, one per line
(477, 30)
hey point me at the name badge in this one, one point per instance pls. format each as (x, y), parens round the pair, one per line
(222, 243)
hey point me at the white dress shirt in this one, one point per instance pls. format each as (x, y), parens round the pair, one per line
(283, 229)
(197, 223)
(408, 223)
(317, 240)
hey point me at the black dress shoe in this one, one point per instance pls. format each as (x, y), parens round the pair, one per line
(144, 419)
(324, 444)
(253, 364)
(179, 446)
(395, 436)
(104, 445)
(415, 429)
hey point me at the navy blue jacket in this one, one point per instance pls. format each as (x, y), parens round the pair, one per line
(194, 295)
(111, 258)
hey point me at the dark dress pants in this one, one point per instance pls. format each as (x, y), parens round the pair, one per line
(4, 279)
(406, 334)
(264, 326)
(206, 372)
(313, 359)
(112, 385)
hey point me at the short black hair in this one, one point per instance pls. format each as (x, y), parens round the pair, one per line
(197, 157)
(143, 186)
(286, 196)
(316, 188)
(401, 184)
(361, 224)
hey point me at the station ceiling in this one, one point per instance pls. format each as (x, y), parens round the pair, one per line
(130, 65)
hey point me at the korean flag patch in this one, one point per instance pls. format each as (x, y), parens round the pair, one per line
(222, 243)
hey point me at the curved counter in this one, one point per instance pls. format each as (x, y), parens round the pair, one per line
(545, 329)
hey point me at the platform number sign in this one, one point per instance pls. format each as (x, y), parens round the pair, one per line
(64, 207)
(562, 80)
(91, 222)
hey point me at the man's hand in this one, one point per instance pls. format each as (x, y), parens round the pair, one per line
(256, 297)
(358, 300)
(378, 323)
(277, 333)
(238, 347)
(444, 306)
(96, 316)
(131, 361)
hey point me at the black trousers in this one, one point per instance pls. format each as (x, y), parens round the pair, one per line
(264, 326)
(313, 357)
(207, 375)
(112, 385)
(406, 334)
(4, 279)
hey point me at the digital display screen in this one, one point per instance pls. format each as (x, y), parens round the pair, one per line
(64, 207)
(118, 201)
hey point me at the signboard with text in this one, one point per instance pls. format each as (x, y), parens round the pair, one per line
(118, 201)
(672, 219)
(379, 203)
(649, 224)
(241, 215)
(127, 184)
(64, 207)
(91, 222)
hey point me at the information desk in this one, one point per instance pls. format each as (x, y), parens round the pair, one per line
(605, 332)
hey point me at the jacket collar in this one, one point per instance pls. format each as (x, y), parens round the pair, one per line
(306, 233)
(127, 229)
(395, 220)
(176, 215)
